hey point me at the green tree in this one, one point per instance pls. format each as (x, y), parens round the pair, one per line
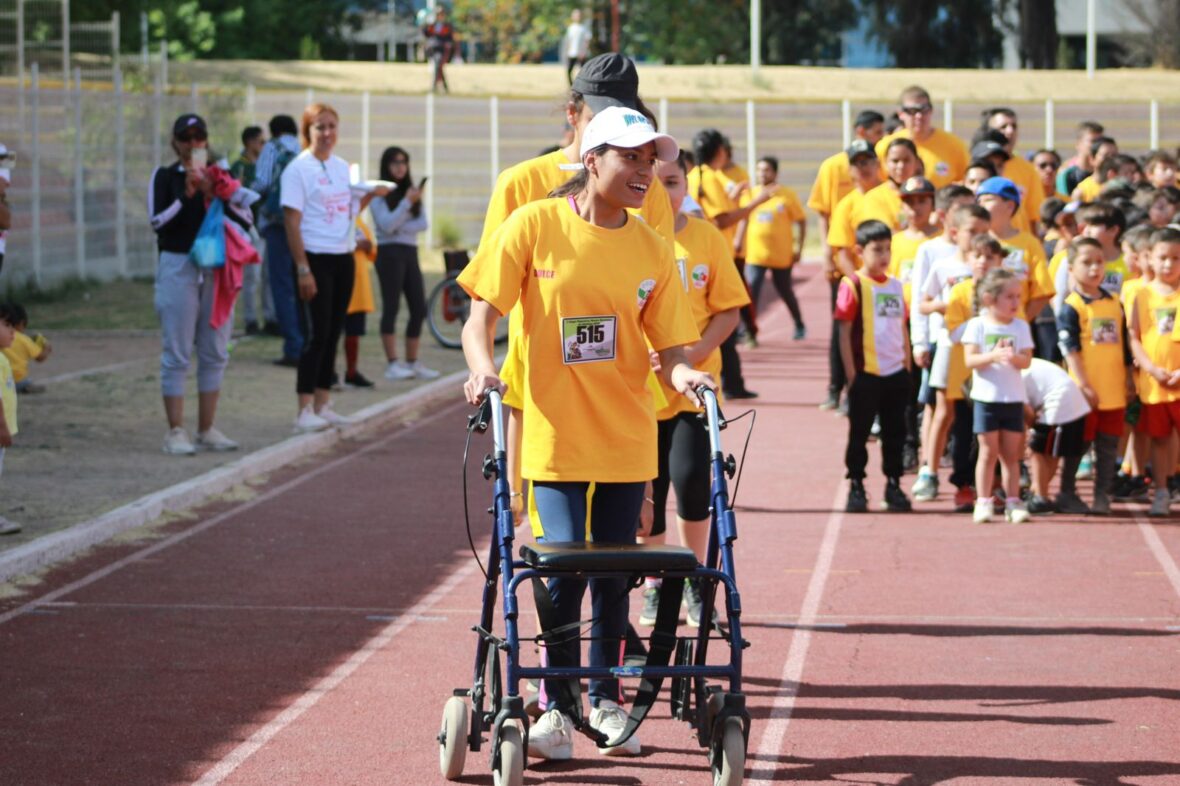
(937, 33)
(687, 31)
(805, 31)
(513, 32)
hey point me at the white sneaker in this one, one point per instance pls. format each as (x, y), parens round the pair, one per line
(8, 527)
(327, 413)
(925, 488)
(309, 421)
(399, 370)
(216, 441)
(610, 719)
(1016, 513)
(422, 372)
(983, 511)
(551, 737)
(177, 443)
(1161, 504)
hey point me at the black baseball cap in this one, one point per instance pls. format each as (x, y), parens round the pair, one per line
(189, 122)
(860, 147)
(988, 147)
(608, 80)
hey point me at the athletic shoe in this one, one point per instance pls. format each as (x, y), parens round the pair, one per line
(422, 372)
(1038, 504)
(832, 401)
(800, 332)
(750, 341)
(1086, 468)
(551, 737)
(909, 458)
(332, 417)
(357, 380)
(875, 430)
(8, 527)
(895, 499)
(1101, 506)
(1016, 512)
(1173, 484)
(983, 511)
(842, 410)
(309, 421)
(335, 383)
(651, 606)
(741, 393)
(925, 488)
(610, 719)
(215, 441)
(858, 500)
(177, 443)
(397, 370)
(964, 499)
(1162, 503)
(1130, 488)
(1070, 502)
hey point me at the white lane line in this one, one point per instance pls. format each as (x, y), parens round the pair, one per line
(92, 372)
(239, 755)
(179, 537)
(1159, 551)
(775, 730)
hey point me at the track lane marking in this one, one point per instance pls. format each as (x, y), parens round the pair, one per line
(1158, 550)
(775, 729)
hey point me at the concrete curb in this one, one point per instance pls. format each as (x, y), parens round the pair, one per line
(69, 542)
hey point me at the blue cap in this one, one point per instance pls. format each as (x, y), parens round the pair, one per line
(1001, 187)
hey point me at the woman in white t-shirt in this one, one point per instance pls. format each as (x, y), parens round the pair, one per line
(319, 213)
(576, 44)
(996, 346)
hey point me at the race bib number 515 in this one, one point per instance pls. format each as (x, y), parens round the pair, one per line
(587, 339)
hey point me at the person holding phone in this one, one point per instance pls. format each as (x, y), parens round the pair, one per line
(177, 199)
(399, 218)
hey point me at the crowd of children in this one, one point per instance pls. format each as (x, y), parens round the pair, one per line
(1035, 324)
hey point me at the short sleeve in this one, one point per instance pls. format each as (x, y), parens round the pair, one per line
(820, 199)
(972, 332)
(840, 230)
(958, 310)
(497, 272)
(1069, 329)
(500, 206)
(1024, 338)
(292, 189)
(726, 288)
(667, 316)
(794, 207)
(847, 301)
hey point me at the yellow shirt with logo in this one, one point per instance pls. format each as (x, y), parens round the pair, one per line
(1156, 313)
(832, 183)
(712, 284)
(770, 228)
(535, 179)
(943, 154)
(1100, 332)
(591, 300)
(8, 395)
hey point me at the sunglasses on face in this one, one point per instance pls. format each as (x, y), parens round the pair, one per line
(916, 110)
(1047, 165)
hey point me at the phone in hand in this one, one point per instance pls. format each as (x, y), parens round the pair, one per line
(200, 158)
(422, 183)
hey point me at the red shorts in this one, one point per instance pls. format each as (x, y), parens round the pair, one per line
(1105, 421)
(1161, 419)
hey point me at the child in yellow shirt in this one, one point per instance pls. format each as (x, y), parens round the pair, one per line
(771, 244)
(8, 425)
(25, 348)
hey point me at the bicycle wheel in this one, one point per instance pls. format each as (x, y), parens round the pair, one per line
(447, 310)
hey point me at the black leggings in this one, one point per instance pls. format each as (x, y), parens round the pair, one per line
(684, 465)
(399, 273)
(333, 275)
(783, 282)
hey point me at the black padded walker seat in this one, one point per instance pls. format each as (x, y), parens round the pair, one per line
(594, 557)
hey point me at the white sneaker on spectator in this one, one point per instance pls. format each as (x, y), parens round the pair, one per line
(8, 527)
(177, 443)
(422, 372)
(399, 370)
(327, 413)
(610, 719)
(309, 421)
(216, 441)
(551, 737)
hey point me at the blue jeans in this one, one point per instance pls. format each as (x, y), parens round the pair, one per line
(280, 267)
(614, 518)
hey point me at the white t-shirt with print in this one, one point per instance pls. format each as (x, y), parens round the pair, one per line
(997, 382)
(921, 325)
(320, 191)
(1052, 393)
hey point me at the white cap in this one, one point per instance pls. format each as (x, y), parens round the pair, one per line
(622, 127)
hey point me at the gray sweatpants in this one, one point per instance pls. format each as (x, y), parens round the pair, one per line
(184, 300)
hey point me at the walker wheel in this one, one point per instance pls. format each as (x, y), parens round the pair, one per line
(729, 759)
(511, 769)
(452, 738)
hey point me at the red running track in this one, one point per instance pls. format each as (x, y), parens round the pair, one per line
(312, 634)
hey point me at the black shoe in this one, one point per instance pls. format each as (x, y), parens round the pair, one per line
(740, 394)
(357, 380)
(287, 362)
(895, 499)
(909, 458)
(252, 329)
(832, 401)
(1039, 505)
(272, 329)
(858, 500)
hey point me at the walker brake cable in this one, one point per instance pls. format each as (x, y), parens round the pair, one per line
(477, 422)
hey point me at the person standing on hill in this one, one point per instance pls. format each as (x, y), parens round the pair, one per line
(440, 44)
(576, 45)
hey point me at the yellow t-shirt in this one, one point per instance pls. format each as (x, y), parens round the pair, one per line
(591, 300)
(1088, 190)
(903, 252)
(1156, 313)
(1032, 192)
(362, 281)
(832, 183)
(1100, 332)
(710, 188)
(960, 307)
(842, 227)
(883, 203)
(944, 155)
(1026, 258)
(712, 284)
(8, 394)
(23, 350)
(527, 182)
(770, 228)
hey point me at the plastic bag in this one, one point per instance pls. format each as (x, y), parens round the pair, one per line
(208, 249)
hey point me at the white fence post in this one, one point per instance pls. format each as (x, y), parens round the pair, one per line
(365, 134)
(846, 121)
(664, 116)
(433, 189)
(20, 66)
(65, 41)
(120, 175)
(1154, 111)
(1050, 122)
(751, 136)
(79, 180)
(164, 67)
(36, 200)
(948, 116)
(115, 40)
(494, 136)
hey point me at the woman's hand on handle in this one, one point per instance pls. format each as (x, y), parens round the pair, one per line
(479, 383)
(686, 380)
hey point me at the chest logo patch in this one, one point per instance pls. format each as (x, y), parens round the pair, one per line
(646, 287)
